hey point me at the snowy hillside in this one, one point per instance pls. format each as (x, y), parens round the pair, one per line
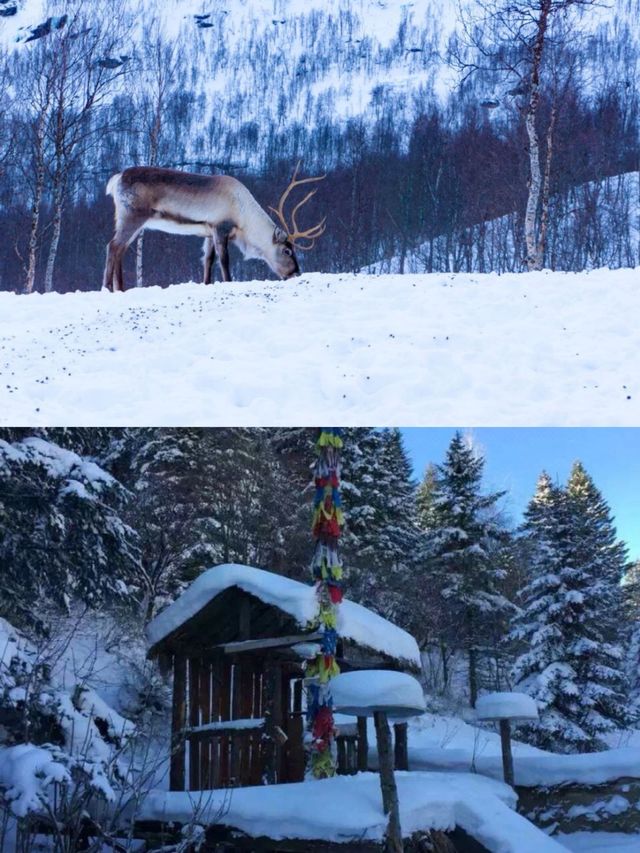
(535, 349)
(317, 60)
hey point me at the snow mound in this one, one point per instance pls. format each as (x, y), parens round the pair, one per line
(366, 691)
(346, 808)
(506, 706)
(297, 599)
(418, 349)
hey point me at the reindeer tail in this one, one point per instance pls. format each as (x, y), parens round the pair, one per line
(112, 184)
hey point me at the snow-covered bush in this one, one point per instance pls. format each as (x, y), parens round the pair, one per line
(61, 751)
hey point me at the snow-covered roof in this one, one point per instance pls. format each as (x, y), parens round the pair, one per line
(299, 600)
(506, 706)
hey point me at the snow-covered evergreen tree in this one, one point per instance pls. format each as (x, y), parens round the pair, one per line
(205, 496)
(466, 535)
(571, 663)
(62, 536)
(380, 537)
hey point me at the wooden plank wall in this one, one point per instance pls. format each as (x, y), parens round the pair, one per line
(224, 690)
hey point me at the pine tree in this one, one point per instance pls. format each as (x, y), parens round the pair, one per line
(62, 536)
(381, 534)
(205, 496)
(570, 663)
(425, 499)
(466, 535)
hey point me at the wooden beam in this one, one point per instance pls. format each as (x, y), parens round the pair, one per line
(178, 722)
(267, 643)
(401, 747)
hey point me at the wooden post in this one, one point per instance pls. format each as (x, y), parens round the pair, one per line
(363, 745)
(194, 720)
(272, 719)
(258, 711)
(245, 711)
(225, 714)
(388, 784)
(205, 712)
(217, 676)
(401, 747)
(178, 720)
(343, 767)
(507, 757)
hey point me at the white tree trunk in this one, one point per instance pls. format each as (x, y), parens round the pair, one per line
(36, 203)
(535, 258)
(139, 259)
(33, 232)
(55, 237)
(534, 261)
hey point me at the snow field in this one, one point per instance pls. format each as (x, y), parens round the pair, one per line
(532, 349)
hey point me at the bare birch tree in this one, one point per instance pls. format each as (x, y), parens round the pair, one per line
(158, 68)
(82, 67)
(34, 92)
(512, 39)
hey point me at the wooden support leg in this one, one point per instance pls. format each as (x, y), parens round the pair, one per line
(507, 757)
(388, 784)
(401, 748)
(363, 745)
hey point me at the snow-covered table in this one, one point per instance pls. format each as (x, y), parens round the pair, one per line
(505, 708)
(381, 694)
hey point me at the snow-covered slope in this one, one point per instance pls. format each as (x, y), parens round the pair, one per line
(275, 64)
(531, 349)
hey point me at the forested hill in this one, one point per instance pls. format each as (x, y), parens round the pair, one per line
(363, 89)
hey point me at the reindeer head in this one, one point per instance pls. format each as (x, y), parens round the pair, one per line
(287, 239)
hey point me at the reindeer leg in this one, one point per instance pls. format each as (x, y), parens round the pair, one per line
(107, 279)
(223, 255)
(126, 233)
(209, 256)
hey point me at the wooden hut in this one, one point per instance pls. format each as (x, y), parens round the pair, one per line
(236, 641)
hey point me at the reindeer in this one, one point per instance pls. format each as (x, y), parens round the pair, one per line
(217, 207)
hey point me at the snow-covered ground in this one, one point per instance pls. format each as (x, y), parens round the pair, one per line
(448, 743)
(600, 842)
(349, 807)
(534, 349)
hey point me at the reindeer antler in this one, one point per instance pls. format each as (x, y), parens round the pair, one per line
(293, 232)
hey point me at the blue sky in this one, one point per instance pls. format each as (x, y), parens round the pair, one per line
(515, 457)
